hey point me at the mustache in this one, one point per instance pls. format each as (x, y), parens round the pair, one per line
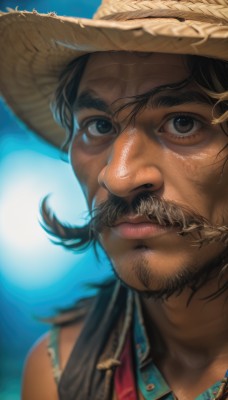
(159, 211)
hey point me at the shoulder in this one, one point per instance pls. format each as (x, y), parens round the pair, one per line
(38, 382)
(38, 378)
(39, 374)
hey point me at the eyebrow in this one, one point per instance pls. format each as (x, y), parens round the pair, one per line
(89, 100)
(178, 99)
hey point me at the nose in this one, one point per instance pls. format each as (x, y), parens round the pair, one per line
(132, 165)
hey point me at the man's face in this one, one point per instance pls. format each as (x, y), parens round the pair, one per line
(170, 149)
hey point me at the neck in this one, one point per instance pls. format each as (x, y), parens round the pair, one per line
(196, 332)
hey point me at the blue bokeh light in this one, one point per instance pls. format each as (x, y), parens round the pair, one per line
(36, 277)
(32, 176)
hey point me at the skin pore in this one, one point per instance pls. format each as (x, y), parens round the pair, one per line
(174, 152)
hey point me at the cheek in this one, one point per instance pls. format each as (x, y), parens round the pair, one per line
(86, 168)
(82, 172)
(209, 175)
(206, 182)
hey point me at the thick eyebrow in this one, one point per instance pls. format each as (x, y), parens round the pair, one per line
(178, 99)
(88, 100)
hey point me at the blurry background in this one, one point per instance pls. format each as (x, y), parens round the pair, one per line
(36, 277)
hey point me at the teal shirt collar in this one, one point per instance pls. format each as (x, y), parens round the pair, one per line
(149, 379)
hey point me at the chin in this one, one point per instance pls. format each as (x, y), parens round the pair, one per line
(147, 270)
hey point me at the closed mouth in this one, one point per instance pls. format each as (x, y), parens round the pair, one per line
(136, 220)
(138, 227)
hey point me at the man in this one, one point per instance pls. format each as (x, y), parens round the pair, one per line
(141, 92)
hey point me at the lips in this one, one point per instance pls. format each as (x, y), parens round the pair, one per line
(133, 227)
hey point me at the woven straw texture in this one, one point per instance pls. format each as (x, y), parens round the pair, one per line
(200, 10)
(37, 47)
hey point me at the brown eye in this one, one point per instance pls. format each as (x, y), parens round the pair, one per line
(181, 126)
(100, 127)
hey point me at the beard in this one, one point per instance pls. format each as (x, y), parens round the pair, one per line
(188, 223)
(192, 277)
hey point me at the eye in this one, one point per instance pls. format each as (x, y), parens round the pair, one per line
(99, 127)
(181, 125)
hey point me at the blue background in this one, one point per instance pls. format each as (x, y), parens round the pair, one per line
(36, 277)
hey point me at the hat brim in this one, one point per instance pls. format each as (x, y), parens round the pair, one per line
(35, 48)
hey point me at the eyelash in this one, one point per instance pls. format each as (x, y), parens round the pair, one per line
(196, 120)
(84, 126)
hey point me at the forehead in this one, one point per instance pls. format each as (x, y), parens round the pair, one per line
(128, 74)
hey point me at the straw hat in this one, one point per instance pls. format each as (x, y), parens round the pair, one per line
(36, 47)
